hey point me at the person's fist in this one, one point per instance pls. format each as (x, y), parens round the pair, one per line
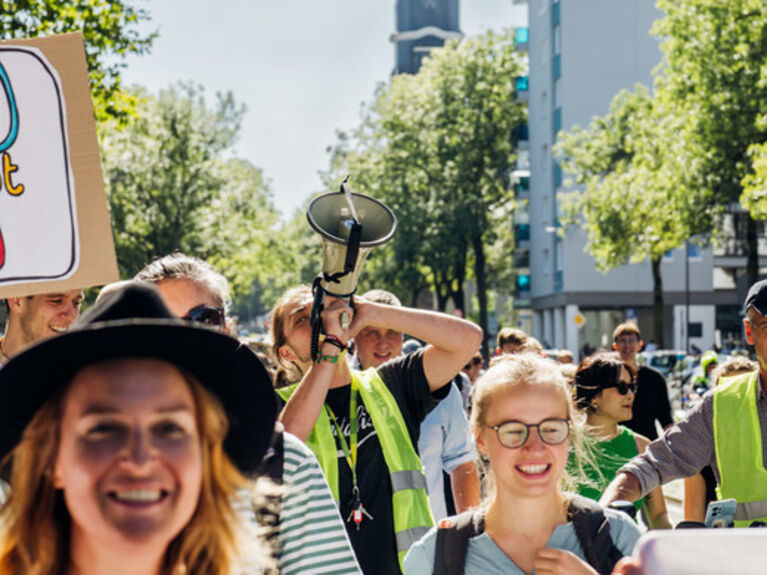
(560, 562)
(337, 316)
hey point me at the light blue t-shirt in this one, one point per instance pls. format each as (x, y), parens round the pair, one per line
(445, 443)
(484, 557)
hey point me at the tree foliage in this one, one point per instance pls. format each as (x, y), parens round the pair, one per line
(715, 54)
(173, 184)
(111, 32)
(437, 148)
(659, 168)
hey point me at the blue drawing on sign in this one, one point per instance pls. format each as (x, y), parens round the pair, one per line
(13, 129)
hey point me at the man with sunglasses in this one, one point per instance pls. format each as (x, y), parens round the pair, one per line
(651, 402)
(309, 523)
(727, 430)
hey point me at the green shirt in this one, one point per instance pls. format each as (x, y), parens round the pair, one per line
(609, 456)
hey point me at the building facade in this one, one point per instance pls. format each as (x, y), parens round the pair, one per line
(581, 55)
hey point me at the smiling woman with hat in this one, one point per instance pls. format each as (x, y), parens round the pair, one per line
(125, 439)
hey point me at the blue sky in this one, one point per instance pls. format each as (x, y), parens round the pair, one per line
(302, 69)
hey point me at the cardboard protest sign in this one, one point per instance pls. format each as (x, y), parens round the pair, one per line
(54, 223)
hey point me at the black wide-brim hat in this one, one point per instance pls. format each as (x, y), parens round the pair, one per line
(133, 322)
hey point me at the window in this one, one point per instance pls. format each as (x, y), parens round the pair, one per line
(695, 329)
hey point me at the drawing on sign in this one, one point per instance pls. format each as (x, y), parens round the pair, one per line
(38, 232)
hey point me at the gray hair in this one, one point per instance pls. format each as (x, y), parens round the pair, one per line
(181, 266)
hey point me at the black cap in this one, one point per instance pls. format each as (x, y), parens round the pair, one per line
(757, 297)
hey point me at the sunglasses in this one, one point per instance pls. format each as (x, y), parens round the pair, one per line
(623, 387)
(513, 434)
(205, 314)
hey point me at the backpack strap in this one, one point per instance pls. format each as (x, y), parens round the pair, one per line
(453, 541)
(593, 530)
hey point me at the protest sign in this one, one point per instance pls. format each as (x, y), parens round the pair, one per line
(54, 224)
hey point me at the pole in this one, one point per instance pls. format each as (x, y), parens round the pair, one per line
(686, 296)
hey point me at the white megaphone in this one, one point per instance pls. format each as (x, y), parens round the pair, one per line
(350, 225)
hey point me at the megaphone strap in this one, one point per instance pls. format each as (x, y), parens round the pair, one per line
(353, 247)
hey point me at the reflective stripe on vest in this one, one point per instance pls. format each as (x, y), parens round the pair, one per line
(738, 444)
(410, 500)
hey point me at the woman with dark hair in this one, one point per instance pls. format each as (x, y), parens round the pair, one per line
(604, 391)
(126, 439)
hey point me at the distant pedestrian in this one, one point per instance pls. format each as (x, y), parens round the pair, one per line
(510, 340)
(651, 403)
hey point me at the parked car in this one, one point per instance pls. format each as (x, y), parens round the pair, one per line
(664, 360)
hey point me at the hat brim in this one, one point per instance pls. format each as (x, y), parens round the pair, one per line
(228, 369)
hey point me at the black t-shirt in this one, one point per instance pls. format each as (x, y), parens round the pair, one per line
(651, 403)
(374, 543)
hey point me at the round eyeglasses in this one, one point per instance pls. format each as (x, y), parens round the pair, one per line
(513, 434)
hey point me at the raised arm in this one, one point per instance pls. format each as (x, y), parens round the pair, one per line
(453, 341)
(302, 409)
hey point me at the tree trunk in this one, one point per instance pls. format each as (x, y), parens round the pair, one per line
(479, 274)
(752, 251)
(657, 302)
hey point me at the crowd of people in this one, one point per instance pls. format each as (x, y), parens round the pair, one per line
(143, 437)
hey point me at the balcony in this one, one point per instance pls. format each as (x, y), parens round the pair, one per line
(556, 67)
(556, 16)
(521, 38)
(522, 136)
(522, 86)
(557, 174)
(521, 259)
(556, 122)
(522, 185)
(523, 286)
(559, 281)
(522, 233)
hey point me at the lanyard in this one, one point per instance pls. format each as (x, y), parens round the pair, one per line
(349, 449)
(358, 512)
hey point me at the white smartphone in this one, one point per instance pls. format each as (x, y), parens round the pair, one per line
(703, 552)
(721, 513)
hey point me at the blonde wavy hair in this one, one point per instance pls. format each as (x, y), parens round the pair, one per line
(530, 369)
(35, 523)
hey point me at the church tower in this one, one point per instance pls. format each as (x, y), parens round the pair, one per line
(421, 26)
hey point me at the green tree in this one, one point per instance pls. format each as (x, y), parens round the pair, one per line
(172, 184)
(111, 32)
(631, 172)
(437, 148)
(715, 53)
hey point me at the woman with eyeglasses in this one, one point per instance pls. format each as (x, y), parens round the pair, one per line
(523, 421)
(604, 390)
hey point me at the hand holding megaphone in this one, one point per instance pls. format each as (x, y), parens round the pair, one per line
(337, 317)
(350, 225)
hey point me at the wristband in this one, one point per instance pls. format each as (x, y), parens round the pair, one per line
(327, 358)
(334, 341)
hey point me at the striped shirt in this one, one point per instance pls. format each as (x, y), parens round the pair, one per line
(312, 537)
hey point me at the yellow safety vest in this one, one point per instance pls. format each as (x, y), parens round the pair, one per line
(738, 443)
(410, 500)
